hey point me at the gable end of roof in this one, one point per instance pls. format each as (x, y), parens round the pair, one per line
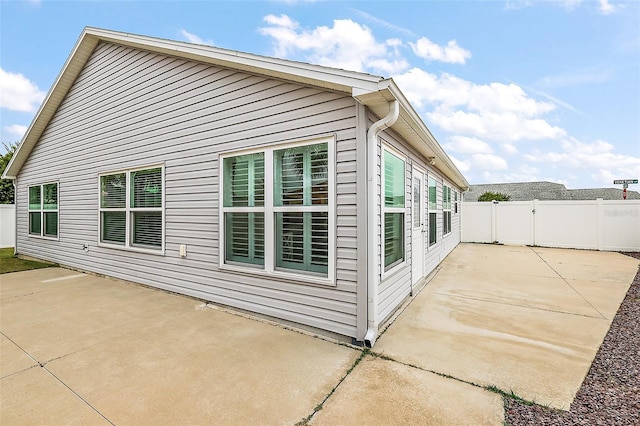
(373, 91)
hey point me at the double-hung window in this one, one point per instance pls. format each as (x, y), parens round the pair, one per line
(43, 210)
(301, 206)
(277, 206)
(132, 209)
(243, 197)
(393, 210)
(433, 235)
(446, 207)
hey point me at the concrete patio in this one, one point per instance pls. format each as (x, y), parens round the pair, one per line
(80, 349)
(524, 319)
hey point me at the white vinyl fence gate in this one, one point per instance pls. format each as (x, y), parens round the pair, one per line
(597, 225)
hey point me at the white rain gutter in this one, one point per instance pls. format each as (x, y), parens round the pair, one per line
(372, 261)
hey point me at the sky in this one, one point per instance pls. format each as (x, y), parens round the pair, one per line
(514, 90)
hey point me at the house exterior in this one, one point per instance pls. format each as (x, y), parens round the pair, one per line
(546, 191)
(312, 195)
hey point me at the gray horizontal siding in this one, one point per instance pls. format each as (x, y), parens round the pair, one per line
(396, 287)
(130, 108)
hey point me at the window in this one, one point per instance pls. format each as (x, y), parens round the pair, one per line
(282, 198)
(302, 207)
(455, 203)
(243, 200)
(432, 212)
(131, 209)
(43, 210)
(393, 209)
(446, 207)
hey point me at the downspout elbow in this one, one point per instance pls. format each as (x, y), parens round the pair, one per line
(372, 264)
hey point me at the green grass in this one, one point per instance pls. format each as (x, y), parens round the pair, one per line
(10, 263)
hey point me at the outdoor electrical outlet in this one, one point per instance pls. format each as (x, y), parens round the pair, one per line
(183, 250)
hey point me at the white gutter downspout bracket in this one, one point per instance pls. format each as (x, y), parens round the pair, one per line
(372, 245)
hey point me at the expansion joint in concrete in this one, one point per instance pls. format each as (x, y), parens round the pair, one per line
(44, 367)
(318, 407)
(567, 283)
(489, 388)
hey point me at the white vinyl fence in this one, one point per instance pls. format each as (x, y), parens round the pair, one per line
(7, 225)
(597, 225)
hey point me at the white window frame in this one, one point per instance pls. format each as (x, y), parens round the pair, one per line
(434, 210)
(128, 246)
(42, 211)
(455, 203)
(446, 208)
(384, 210)
(270, 209)
(235, 209)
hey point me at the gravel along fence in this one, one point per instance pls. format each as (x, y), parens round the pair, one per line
(610, 393)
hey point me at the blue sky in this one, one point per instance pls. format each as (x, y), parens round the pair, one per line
(513, 90)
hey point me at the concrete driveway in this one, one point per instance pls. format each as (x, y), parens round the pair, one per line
(79, 349)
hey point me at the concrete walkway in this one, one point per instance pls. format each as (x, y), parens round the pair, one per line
(79, 349)
(525, 320)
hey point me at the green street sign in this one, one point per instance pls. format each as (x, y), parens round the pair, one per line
(624, 181)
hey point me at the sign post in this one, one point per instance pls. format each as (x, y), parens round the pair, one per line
(625, 184)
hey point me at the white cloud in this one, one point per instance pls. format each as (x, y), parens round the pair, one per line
(281, 21)
(607, 8)
(494, 112)
(598, 155)
(192, 38)
(346, 45)
(505, 127)
(488, 162)
(16, 129)
(569, 5)
(448, 90)
(604, 7)
(523, 173)
(509, 148)
(551, 98)
(430, 51)
(18, 93)
(467, 145)
(462, 165)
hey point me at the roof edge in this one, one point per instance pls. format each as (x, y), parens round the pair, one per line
(81, 51)
(431, 140)
(316, 75)
(420, 132)
(356, 84)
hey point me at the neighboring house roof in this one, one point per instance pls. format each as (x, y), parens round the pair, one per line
(373, 91)
(526, 191)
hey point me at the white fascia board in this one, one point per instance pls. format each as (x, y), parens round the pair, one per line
(316, 75)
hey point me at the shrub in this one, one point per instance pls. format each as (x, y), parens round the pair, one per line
(497, 196)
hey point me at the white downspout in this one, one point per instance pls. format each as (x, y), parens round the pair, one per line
(15, 213)
(372, 246)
